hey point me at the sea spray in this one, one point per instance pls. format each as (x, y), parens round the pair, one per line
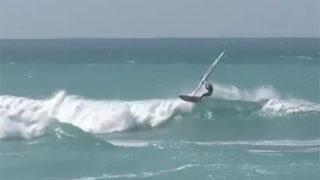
(231, 92)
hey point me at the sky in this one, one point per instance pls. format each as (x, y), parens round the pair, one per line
(37, 19)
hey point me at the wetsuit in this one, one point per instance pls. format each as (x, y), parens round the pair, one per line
(209, 89)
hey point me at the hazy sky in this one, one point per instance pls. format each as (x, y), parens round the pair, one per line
(158, 18)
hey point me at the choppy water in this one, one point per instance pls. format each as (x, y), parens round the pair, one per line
(108, 109)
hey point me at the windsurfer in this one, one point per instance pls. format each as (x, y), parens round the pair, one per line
(209, 89)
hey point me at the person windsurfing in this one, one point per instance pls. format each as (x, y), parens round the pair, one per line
(193, 97)
(208, 86)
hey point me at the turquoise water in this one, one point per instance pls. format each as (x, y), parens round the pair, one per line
(108, 109)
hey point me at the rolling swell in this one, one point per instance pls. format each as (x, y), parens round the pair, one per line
(27, 118)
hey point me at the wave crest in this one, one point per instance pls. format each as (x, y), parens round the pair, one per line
(24, 117)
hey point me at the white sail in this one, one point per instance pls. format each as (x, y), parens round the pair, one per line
(208, 72)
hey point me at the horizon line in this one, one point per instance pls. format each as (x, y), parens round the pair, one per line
(232, 37)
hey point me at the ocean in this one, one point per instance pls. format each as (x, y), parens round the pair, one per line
(92, 109)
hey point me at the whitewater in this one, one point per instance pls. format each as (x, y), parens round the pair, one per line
(26, 118)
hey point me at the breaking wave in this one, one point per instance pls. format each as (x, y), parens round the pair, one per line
(23, 117)
(279, 107)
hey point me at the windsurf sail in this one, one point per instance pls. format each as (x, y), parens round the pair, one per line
(207, 73)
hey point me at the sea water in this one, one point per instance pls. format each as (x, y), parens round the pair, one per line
(108, 109)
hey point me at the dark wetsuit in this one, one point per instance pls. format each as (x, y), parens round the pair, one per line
(209, 90)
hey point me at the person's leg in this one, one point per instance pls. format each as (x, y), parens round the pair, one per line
(205, 94)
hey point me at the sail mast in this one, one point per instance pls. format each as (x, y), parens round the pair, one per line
(208, 72)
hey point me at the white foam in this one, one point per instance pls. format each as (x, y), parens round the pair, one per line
(278, 152)
(283, 143)
(151, 174)
(24, 117)
(60, 133)
(300, 57)
(265, 143)
(275, 104)
(129, 143)
(306, 58)
(11, 127)
(279, 107)
(21, 117)
(231, 92)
